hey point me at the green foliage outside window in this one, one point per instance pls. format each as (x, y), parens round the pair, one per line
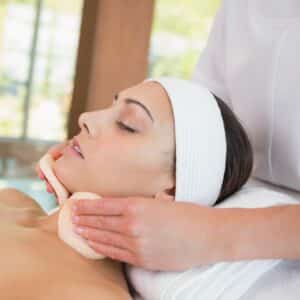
(188, 24)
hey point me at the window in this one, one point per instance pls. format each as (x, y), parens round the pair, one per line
(38, 48)
(180, 32)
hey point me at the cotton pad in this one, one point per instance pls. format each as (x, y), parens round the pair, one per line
(46, 165)
(65, 227)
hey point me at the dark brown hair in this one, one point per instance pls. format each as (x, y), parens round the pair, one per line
(239, 158)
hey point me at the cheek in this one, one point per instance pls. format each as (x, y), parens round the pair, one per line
(118, 161)
(113, 158)
(116, 168)
(62, 172)
(67, 172)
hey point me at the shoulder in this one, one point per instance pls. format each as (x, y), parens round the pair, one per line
(15, 198)
(90, 291)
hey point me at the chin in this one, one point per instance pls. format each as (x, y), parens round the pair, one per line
(65, 175)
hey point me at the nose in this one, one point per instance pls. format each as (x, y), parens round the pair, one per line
(95, 122)
(83, 122)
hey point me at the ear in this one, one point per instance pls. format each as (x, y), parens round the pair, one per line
(167, 189)
(168, 194)
(170, 188)
(171, 191)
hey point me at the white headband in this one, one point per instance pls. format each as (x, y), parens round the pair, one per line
(200, 141)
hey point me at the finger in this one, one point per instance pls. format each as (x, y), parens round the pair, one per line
(112, 223)
(56, 155)
(99, 207)
(39, 172)
(56, 150)
(104, 237)
(43, 177)
(49, 188)
(113, 252)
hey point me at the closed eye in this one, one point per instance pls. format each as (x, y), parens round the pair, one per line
(125, 127)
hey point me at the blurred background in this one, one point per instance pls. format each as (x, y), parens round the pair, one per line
(53, 57)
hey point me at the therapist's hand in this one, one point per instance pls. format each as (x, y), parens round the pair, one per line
(55, 151)
(154, 233)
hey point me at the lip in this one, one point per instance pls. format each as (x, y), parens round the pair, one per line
(76, 143)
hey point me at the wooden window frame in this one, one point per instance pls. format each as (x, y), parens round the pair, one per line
(112, 55)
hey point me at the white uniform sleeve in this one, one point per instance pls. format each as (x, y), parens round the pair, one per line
(211, 67)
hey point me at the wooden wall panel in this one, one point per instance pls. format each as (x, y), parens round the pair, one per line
(113, 52)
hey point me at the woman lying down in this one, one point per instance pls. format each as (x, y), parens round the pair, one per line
(162, 136)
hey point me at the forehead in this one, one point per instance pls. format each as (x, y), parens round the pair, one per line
(153, 95)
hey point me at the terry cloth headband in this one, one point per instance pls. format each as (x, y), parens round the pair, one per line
(200, 141)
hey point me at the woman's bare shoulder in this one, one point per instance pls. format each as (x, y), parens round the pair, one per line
(15, 198)
(89, 291)
(110, 283)
(108, 292)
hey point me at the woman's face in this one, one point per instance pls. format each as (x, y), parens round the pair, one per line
(128, 148)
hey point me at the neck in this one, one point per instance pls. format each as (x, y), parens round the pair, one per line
(48, 223)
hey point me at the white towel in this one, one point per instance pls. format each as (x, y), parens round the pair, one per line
(225, 280)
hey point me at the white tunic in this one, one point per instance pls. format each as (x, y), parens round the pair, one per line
(252, 63)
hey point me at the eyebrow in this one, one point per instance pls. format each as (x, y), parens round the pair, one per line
(133, 101)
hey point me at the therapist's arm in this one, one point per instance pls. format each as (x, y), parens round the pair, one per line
(272, 232)
(166, 235)
(156, 234)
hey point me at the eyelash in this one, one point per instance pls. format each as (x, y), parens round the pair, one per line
(125, 127)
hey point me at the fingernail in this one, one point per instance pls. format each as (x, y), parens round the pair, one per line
(90, 243)
(75, 219)
(79, 230)
(74, 208)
